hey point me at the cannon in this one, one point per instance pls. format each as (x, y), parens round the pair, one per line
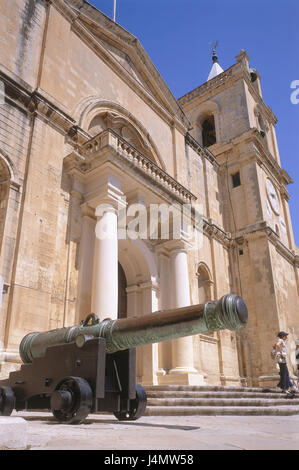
(91, 367)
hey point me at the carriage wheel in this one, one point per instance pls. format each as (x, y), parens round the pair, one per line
(137, 406)
(72, 400)
(7, 401)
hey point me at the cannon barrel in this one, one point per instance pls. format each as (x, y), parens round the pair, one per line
(229, 312)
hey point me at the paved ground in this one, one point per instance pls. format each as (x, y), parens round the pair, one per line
(104, 432)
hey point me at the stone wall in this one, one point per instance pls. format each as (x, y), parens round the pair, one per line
(64, 71)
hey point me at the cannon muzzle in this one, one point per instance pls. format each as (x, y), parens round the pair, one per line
(229, 312)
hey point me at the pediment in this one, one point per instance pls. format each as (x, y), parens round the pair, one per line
(120, 55)
(123, 50)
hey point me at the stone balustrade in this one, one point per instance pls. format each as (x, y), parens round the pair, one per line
(140, 161)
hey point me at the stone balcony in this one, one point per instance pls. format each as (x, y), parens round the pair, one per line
(108, 146)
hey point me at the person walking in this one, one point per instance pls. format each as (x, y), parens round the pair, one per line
(281, 349)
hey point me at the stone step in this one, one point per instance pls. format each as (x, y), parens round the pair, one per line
(209, 388)
(218, 400)
(208, 395)
(222, 402)
(218, 410)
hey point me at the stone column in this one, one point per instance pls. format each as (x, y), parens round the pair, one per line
(87, 241)
(149, 351)
(182, 349)
(165, 303)
(104, 299)
(134, 309)
(134, 302)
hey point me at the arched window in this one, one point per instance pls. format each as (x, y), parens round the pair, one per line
(97, 125)
(208, 132)
(204, 283)
(110, 120)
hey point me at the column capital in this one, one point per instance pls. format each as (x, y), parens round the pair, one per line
(161, 251)
(134, 288)
(76, 194)
(109, 195)
(149, 285)
(168, 247)
(87, 211)
(178, 246)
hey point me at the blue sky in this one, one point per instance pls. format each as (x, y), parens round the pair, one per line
(176, 36)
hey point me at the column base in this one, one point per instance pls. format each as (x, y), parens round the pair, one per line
(183, 370)
(268, 380)
(182, 377)
(147, 380)
(229, 380)
(161, 372)
(9, 362)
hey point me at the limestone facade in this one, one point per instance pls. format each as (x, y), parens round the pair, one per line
(87, 121)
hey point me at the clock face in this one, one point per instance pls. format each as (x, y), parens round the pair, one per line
(272, 196)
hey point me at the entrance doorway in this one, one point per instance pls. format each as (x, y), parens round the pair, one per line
(122, 293)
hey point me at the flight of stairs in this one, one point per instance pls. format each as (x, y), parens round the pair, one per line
(218, 400)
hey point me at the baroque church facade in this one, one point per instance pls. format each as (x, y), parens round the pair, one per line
(87, 120)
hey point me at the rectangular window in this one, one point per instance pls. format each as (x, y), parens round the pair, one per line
(236, 180)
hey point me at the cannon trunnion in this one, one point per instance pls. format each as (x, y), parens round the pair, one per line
(91, 368)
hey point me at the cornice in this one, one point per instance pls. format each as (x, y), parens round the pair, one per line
(263, 229)
(232, 241)
(260, 153)
(213, 230)
(201, 90)
(17, 92)
(259, 100)
(65, 9)
(37, 103)
(265, 158)
(224, 80)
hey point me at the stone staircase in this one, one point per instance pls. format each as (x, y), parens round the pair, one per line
(218, 400)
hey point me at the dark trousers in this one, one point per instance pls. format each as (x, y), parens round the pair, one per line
(284, 376)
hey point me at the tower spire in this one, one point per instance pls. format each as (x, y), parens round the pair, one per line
(216, 69)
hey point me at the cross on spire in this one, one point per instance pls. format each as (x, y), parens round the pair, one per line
(214, 44)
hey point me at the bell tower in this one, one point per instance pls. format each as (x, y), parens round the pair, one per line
(230, 118)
